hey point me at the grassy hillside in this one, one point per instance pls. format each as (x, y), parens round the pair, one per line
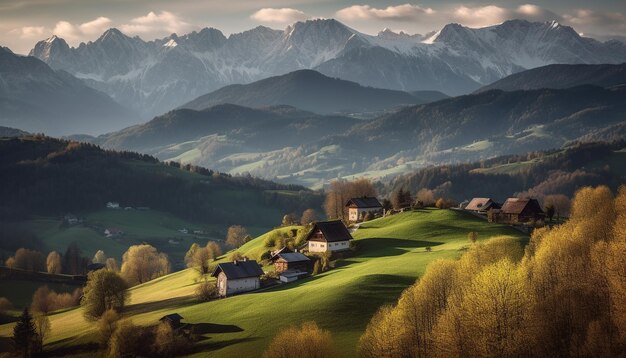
(391, 255)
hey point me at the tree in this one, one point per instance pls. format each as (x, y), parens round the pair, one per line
(561, 204)
(235, 256)
(401, 199)
(106, 326)
(425, 196)
(73, 261)
(53, 262)
(24, 334)
(111, 265)
(341, 191)
(42, 328)
(41, 302)
(317, 268)
(550, 211)
(5, 305)
(235, 236)
(105, 290)
(308, 216)
(472, 236)
(126, 341)
(307, 341)
(289, 219)
(26, 259)
(214, 250)
(99, 257)
(142, 263)
(440, 204)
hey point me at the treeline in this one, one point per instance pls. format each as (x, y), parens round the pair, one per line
(47, 176)
(553, 172)
(564, 295)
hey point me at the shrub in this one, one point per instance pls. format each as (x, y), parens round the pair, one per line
(45, 300)
(126, 341)
(235, 255)
(206, 291)
(106, 326)
(169, 344)
(307, 341)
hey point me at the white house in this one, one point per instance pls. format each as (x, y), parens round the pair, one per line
(237, 276)
(113, 205)
(329, 236)
(359, 207)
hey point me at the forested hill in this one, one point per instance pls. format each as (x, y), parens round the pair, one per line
(535, 174)
(47, 176)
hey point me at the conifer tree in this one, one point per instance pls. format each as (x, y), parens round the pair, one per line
(24, 333)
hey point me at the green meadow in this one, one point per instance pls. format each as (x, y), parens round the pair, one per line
(391, 254)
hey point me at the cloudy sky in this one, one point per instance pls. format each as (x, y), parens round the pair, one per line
(24, 22)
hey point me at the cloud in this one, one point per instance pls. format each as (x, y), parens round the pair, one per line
(76, 33)
(586, 18)
(406, 12)
(283, 15)
(481, 16)
(29, 32)
(154, 25)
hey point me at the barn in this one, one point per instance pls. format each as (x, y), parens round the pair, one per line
(284, 261)
(516, 210)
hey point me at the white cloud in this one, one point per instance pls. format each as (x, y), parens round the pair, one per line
(406, 12)
(29, 32)
(96, 26)
(154, 25)
(77, 33)
(282, 16)
(586, 18)
(480, 16)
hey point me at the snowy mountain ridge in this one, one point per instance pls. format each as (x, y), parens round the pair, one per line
(155, 76)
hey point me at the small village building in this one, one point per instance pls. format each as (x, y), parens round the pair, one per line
(359, 207)
(237, 277)
(172, 319)
(516, 210)
(481, 205)
(295, 261)
(113, 232)
(113, 205)
(70, 219)
(291, 275)
(329, 236)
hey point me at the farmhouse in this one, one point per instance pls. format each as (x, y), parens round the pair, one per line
(329, 236)
(359, 207)
(237, 276)
(481, 205)
(70, 219)
(172, 319)
(517, 210)
(284, 261)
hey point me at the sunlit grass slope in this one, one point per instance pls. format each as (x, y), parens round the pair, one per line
(391, 255)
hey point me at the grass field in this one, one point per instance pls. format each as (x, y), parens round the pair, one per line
(391, 254)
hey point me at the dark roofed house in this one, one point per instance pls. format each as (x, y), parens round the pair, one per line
(284, 261)
(481, 205)
(359, 207)
(237, 276)
(516, 210)
(172, 319)
(329, 236)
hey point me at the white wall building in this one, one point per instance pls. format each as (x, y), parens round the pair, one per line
(237, 277)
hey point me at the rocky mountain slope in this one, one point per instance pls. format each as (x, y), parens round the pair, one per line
(36, 98)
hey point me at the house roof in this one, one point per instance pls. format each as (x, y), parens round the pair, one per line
(282, 250)
(293, 273)
(517, 205)
(364, 202)
(171, 317)
(477, 204)
(291, 257)
(239, 269)
(332, 230)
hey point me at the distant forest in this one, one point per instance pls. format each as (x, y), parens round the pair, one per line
(46, 176)
(535, 174)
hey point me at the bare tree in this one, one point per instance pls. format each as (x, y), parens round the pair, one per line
(53, 262)
(236, 236)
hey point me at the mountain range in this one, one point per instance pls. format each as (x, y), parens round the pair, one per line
(153, 77)
(36, 98)
(311, 91)
(290, 145)
(562, 76)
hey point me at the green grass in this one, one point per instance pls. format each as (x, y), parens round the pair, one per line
(391, 255)
(138, 226)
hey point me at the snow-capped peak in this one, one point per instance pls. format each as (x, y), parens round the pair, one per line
(51, 39)
(171, 43)
(431, 39)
